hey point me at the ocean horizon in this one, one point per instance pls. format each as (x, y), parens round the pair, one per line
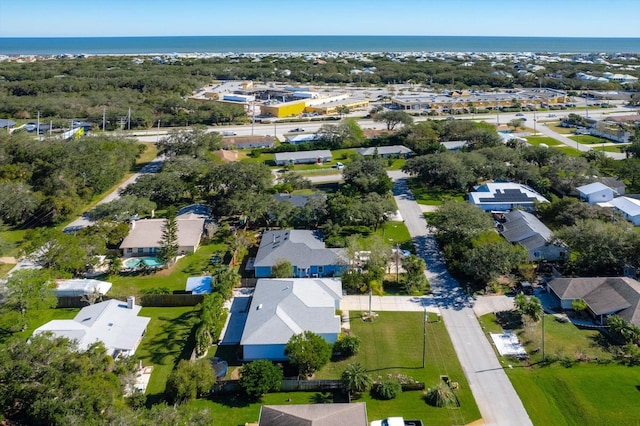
(51, 46)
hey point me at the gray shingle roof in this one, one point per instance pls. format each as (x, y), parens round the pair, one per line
(526, 229)
(384, 150)
(148, 232)
(604, 295)
(281, 308)
(302, 248)
(354, 414)
(302, 155)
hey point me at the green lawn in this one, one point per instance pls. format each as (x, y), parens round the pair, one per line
(5, 267)
(392, 344)
(13, 239)
(570, 151)
(588, 139)
(561, 130)
(175, 278)
(433, 196)
(580, 395)
(537, 140)
(615, 148)
(38, 318)
(168, 339)
(396, 232)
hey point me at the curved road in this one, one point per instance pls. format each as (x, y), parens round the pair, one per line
(497, 400)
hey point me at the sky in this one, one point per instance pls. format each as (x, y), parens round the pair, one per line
(106, 18)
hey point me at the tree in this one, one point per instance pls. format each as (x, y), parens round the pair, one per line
(282, 269)
(347, 345)
(260, 377)
(29, 289)
(516, 123)
(190, 380)
(414, 278)
(366, 175)
(17, 202)
(308, 352)
(622, 330)
(393, 118)
(123, 208)
(458, 222)
(491, 256)
(529, 306)
(169, 243)
(355, 379)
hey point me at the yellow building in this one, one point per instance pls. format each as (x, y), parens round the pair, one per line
(287, 109)
(332, 108)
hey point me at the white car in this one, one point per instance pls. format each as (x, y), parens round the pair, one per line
(389, 421)
(339, 166)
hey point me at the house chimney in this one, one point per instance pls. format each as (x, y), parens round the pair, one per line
(131, 302)
(132, 225)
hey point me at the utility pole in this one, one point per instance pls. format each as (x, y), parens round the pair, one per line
(398, 262)
(158, 136)
(543, 356)
(104, 117)
(38, 126)
(129, 119)
(424, 337)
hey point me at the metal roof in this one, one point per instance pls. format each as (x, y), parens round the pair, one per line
(384, 150)
(592, 188)
(628, 206)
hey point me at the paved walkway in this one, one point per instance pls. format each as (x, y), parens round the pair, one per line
(497, 400)
(389, 303)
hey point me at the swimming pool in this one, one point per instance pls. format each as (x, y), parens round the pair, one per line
(141, 262)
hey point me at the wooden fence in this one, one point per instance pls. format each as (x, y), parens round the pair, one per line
(145, 300)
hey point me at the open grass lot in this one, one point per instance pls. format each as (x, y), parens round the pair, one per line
(537, 140)
(390, 345)
(580, 395)
(570, 151)
(245, 155)
(5, 267)
(558, 129)
(433, 196)
(168, 339)
(38, 318)
(588, 139)
(562, 339)
(615, 148)
(174, 278)
(586, 393)
(13, 239)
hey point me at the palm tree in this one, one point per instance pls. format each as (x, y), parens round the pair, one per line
(355, 379)
(529, 306)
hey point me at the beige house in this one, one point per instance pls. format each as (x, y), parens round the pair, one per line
(145, 236)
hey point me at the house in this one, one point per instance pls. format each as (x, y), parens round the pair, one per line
(226, 155)
(298, 200)
(4, 122)
(249, 142)
(81, 287)
(303, 157)
(454, 145)
(114, 323)
(595, 192)
(385, 151)
(354, 414)
(145, 235)
(281, 308)
(523, 228)
(604, 296)
(298, 139)
(304, 249)
(616, 184)
(505, 196)
(629, 207)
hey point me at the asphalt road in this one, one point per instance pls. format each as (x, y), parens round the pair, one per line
(497, 400)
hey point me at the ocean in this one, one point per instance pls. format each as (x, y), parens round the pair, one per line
(267, 44)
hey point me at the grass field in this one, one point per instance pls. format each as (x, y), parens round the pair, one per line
(580, 395)
(433, 196)
(396, 232)
(169, 338)
(588, 139)
(561, 130)
(390, 345)
(537, 140)
(615, 148)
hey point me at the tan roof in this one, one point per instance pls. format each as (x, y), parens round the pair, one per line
(148, 232)
(314, 415)
(228, 156)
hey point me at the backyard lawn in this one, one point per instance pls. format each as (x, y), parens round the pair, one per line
(588, 139)
(174, 278)
(537, 140)
(168, 339)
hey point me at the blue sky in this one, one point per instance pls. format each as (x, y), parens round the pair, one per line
(557, 18)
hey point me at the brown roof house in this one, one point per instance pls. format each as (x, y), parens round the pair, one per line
(145, 235)
(604, 296)
(314, 415)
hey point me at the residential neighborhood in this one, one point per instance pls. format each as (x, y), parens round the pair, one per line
(328, 257)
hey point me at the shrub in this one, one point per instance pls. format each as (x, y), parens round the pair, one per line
(442, 396)
(259, 377)
(347, 345)
(387, 389)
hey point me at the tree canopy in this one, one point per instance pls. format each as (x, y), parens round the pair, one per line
(308, 352)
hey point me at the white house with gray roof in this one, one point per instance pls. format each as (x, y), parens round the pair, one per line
(281, 308)
(304, 249)
(385, 151)
(525, 229)
(114, 323)
(505, 196)
(629, 207)
(595, 192)
(303, 157)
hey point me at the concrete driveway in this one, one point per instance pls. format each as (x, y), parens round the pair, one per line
(389, 303)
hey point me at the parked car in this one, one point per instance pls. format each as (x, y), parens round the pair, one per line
(229, 134)
(297, 130)
(519, 114)
(339, 166)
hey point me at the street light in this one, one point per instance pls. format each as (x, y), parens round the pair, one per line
(424, 337)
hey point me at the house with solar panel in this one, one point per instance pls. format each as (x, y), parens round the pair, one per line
(505, 196)
(282, 308)
(525, 229)
(304, 249)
